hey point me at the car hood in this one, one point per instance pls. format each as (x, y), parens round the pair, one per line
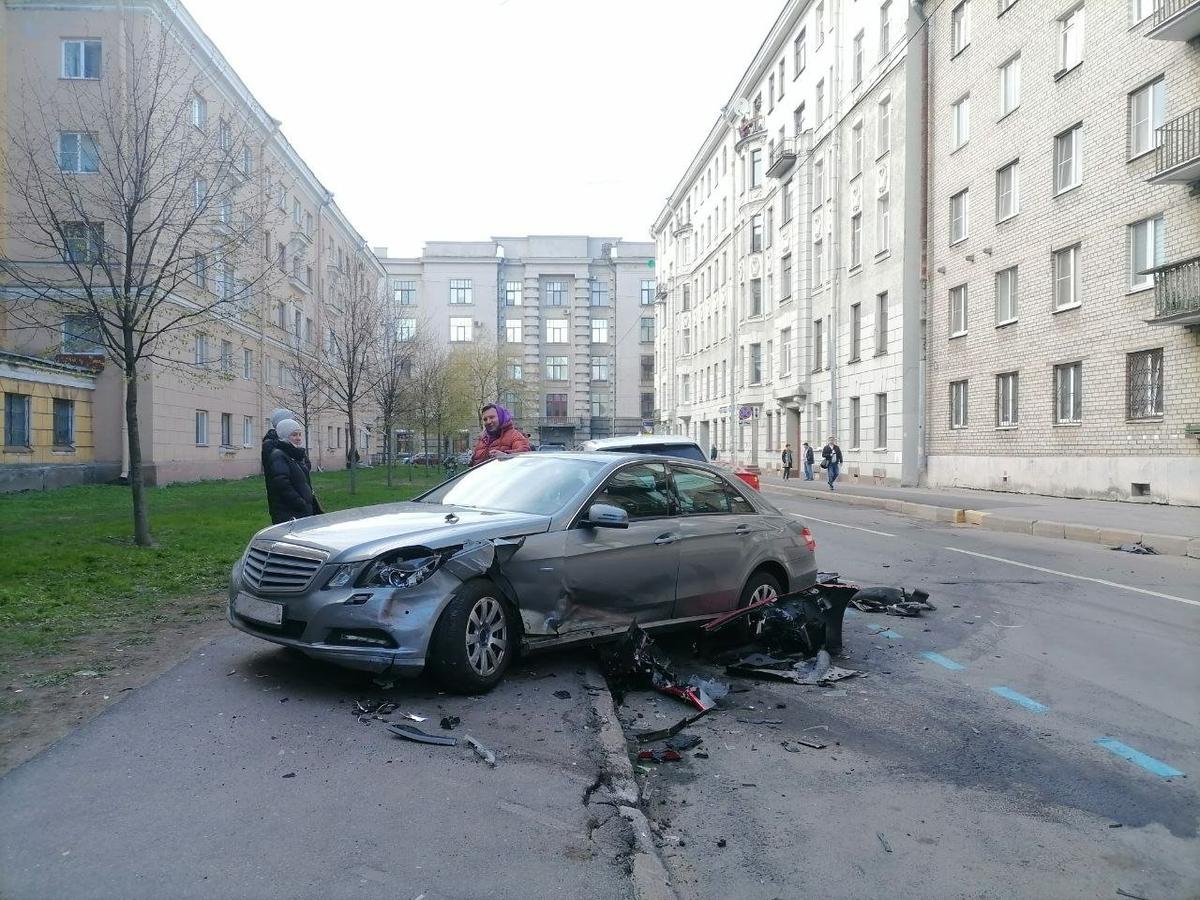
(364, 532)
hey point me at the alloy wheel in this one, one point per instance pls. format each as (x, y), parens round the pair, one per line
(487, 636)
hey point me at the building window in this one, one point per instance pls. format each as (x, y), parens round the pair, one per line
(756, 168)
(817, 346)
(556, 406)
(1008, 198)
(855, 331)
(81, 334)
(958, 404)
(647, 368)
(599, 292)
(1006, 296)
(461, 329)
(201, 428)
(226, 356)
(856, 240)
(247, 431)
(516, 371)
(556, 331)
(17, 420)
(885, 22)
(856, 148)
(646, 329)
(647, 405)
(960, 123)
(958, 310)
(556, 293)
(799, 54)
(820, 102)
(1066, 277)
(404, 293)
(512, 331)
(756, 306)
(513, 293)
(648, 290)
(556, 368)
(599, 331)
(247, 364)
(1006, 400)
(883, 225)
(225, 136)
(81, 59)
(200, 348)
(855, 423)
(77, 153)
(785, 278)
(881, 323)
(685, 341)
(460, 291)
(1010, 85)
(1068, 393)
(771, 92)
(883, 119)
(599, 368)
(1146, 242)
(858, 60)
(756, 233)
(406, 329)
(226, 429)
(1070, 39)
(960, 27)
(1144, 384)
(1146, 114)
(818, 262)
(1068, 162)
(756, 366)
(959, 217)
(600, 406)
(819, 23)
(686, 298)
(199, 111)
(881, 422)
(818, 183)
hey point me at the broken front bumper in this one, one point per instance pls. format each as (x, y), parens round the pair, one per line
(370, 629)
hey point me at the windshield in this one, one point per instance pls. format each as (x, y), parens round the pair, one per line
(525, 483)
(682, 451)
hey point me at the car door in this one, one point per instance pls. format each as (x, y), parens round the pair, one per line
(614, 576)
(720, 533)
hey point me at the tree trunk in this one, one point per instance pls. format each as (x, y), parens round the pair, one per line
(387, 450)
(353, 450)
(141, 518)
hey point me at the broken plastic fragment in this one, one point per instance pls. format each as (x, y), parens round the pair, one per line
(481, 751)
(409, 733)
(449, 723)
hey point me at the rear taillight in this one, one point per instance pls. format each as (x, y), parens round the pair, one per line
(808, 539)
(750, 478)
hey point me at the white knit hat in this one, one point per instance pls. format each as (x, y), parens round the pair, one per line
(287, 427)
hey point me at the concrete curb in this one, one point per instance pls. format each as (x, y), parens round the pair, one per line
(1165, 544)
(651, 881)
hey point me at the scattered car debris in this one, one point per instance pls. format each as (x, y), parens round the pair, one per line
(413, 717)
(818, 670)
(710, 686)
(684, 741)
(290, 775)
(722, 843)
(373, 707)
(891, 600)
(635, 661)
(794, 745)
(481, 751)
(409, 733)
(883, 840)
(1138, 548)
(1121, 892)
(659, 756)
(449, 723)
(563, 695)
(661, 734)
(761, 721)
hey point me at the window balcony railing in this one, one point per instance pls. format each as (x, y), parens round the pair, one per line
(1177, 159)
(783, 157)
(1177, 293)
(1176, 20)
(751, 126)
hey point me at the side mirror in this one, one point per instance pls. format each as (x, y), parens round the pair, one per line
(602, 515)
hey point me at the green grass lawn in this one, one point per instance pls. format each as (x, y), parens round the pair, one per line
(68, 565)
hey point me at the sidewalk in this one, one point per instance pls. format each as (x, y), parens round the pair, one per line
(1171, 530)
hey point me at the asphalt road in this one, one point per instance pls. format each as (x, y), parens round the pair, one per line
(933, 784)
(243, 773)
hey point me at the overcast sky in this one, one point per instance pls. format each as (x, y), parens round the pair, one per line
(464, 119)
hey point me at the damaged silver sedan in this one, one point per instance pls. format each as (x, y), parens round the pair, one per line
(531, 551)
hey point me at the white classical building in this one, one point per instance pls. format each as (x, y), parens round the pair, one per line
(789, 253)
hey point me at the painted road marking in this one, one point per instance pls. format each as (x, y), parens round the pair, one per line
(944, 661)
(840, 525)
(884, 631)
(1149, 763)
(1020, 699)
(851, 614)
(1127, 587)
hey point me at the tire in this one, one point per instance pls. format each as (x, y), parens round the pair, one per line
(760, 585)
(474, 641)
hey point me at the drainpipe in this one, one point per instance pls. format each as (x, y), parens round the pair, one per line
(835, 244)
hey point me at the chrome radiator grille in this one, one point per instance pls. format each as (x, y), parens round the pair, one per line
(273, 567)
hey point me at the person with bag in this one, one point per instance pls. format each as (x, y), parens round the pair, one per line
(289, 486)
(786, 459)
(831, 460)
(807, 454)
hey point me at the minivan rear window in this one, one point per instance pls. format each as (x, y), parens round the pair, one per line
(680, 451)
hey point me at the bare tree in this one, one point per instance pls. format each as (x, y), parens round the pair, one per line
(124, 226)
(433, 393)
(352, 347)
(392, 391)
(305, 387)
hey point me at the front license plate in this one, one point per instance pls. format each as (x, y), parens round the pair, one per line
(258, 610)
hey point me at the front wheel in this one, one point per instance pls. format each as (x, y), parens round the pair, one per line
(761, 586)
(474, 641)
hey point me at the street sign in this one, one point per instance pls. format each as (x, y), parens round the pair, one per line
(745, 412)
(647, 423)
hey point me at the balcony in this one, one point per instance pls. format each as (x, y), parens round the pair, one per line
(1177, 159)
(1177, 293)
(751, 126)
(783, 157)
(300, 237)
(681, 228)
(1176, 20)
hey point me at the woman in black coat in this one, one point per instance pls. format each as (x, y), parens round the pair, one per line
(289, 489)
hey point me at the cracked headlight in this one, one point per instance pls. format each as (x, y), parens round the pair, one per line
(341, 577)
(403, 568)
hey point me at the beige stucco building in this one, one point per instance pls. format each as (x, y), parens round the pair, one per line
(205, 400)
(1064, 248)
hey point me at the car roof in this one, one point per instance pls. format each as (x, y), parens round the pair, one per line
(640, 440)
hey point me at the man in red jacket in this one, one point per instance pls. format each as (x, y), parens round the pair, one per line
(500, 436)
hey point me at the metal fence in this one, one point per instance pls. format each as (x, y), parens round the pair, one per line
(1179, 142)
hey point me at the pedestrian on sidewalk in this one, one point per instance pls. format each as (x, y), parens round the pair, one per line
(713, 454)
(831, 460)
(808, 461)
(500, 436)
(289, 488)
(786, 459)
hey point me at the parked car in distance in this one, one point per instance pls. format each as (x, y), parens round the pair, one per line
(533, 550)
(664, 445)
(425, 459)
(550, 448)
(404, 459)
